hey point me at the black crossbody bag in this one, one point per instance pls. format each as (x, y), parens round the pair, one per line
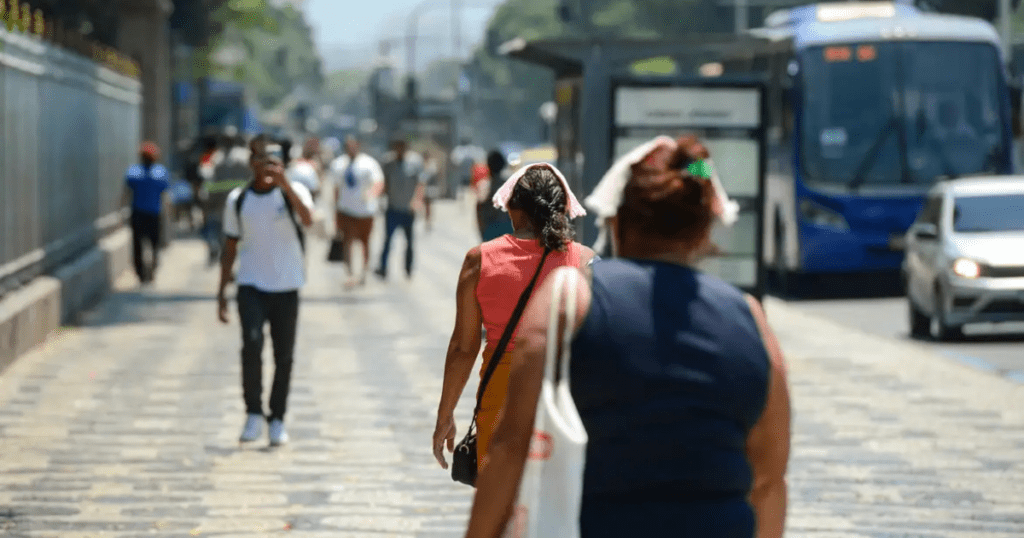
(464, 458)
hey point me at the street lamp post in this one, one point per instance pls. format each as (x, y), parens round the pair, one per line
(741, 18)
(1006, 26)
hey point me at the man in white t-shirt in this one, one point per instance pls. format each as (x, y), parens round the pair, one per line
(263, 227)
(359, 182)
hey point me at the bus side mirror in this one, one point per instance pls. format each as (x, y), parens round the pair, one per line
(925, 230)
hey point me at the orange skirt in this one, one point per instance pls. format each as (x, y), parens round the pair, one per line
(491, 404)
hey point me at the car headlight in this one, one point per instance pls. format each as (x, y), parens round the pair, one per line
(816, 213)
(966, 268)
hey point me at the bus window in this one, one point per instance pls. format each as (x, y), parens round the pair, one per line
(900, 114)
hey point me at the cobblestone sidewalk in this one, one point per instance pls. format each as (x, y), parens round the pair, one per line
(127, 425)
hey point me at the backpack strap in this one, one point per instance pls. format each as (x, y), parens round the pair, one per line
(295, 222)
(287, 205)
(238, 206)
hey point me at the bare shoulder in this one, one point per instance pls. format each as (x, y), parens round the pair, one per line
(471, 265)
(586, 254)
(771, 343)
(473, 258)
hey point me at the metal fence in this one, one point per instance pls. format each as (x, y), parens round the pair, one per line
(69, 128)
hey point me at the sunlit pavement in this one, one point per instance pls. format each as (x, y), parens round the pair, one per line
(127, 425)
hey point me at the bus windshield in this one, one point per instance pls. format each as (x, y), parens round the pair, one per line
(899, 113)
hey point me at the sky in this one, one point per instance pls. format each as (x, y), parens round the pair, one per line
(348, 32)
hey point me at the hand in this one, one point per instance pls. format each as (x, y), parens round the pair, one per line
(275, 171)
(445, 431)
(222, 308)
(417, 206)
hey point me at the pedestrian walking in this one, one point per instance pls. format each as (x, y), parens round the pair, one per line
(431, 187)
(198, 170)
(464, 157)
(358, 184)
(491, 221)
(404, 185)
(676, 375)
(307, 168)
(263, 225)
(495, 275)
(230, 169)
(146, 183)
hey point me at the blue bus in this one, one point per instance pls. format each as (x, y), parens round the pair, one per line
(869, 105)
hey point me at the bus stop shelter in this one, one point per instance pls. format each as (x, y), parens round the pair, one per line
(589, 75)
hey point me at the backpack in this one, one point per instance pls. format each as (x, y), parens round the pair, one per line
(287, 204)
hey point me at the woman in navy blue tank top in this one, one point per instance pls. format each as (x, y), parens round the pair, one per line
(679, 381)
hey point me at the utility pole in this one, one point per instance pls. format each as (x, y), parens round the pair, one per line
(742, 19)
(1006, 27)
(457, 28)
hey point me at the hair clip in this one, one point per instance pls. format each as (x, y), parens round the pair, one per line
(700, 169)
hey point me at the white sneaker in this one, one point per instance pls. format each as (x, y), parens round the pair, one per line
(253, 428)
(278, 435)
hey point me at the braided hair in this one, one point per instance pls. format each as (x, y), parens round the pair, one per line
(540, 195)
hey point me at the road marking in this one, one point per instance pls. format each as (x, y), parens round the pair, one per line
(1016, 376)
(973, 362)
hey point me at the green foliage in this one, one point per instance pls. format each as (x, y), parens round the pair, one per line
(512, 91)
(269, 49)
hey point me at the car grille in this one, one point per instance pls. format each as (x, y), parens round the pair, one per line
(1004, 307)
(1002, 272)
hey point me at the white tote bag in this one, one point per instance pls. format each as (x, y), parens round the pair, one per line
(548, 503)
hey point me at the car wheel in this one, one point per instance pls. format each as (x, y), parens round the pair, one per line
(938, 327)
(919, 323)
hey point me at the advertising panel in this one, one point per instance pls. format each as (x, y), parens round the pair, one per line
(729, 119)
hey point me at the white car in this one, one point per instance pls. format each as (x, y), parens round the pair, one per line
(965, 256)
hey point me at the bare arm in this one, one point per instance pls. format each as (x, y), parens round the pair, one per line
(419, 197)
(499, 479)
(462, 351)
(768, 442)
(301, 209)
(227, 264)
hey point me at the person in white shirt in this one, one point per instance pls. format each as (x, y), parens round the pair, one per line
(359, 182)
(306, 169)
(263, 227)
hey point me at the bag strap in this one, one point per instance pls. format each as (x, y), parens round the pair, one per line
(499, 350)
(287, 205)
(564, 293)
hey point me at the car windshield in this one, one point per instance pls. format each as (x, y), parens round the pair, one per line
(995, 213)
(902, 112)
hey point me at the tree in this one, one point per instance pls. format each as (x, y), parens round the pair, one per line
(512, 91)
(269, 49)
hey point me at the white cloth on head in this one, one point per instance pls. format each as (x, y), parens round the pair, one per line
(573, 208)
(607, 196)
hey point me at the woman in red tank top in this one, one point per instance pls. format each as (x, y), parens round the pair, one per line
(493, 277)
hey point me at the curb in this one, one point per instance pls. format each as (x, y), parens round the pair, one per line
(29, 315)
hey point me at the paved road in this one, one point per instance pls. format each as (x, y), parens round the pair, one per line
(126, 426)
(993, 348)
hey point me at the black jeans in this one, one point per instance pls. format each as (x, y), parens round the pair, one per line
(255, 309)
(145, 227)
(393, 220)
